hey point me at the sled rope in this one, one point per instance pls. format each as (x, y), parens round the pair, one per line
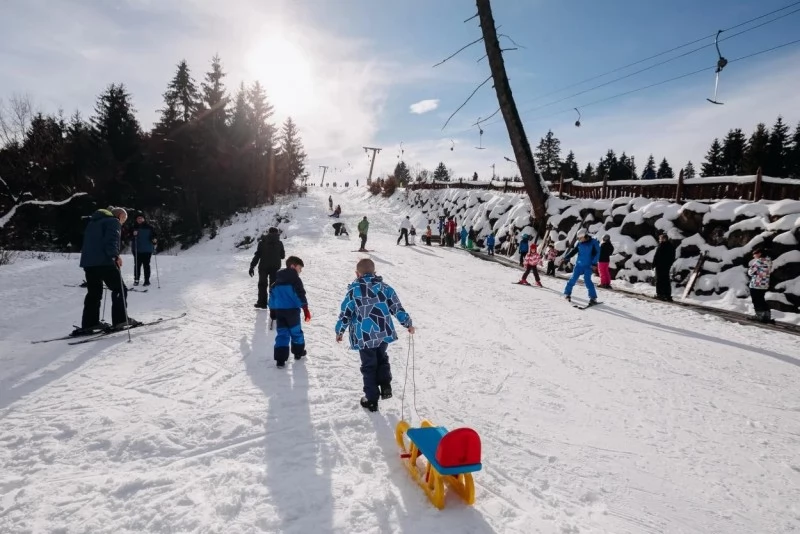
(412, 357)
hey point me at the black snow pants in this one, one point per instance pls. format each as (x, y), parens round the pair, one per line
(95, 278)
(375, 370)
(142, 260)
(663, 284)
(265, 278)
(403, 233)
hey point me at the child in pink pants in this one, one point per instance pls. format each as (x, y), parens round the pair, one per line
(606, 250)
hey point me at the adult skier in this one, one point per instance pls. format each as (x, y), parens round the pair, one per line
(330, 202)
(405, 226)
(472, 235)
(143, 246)
(662, 261)
(363, 229)
(588, 251)
(267, 257)
(101, 263)
(606, 250)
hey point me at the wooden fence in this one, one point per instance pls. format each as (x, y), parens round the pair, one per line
(753, 187)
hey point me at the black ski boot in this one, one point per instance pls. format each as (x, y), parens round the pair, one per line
(386, 391)
(280, 365)
(136, 282)
(592, 302)
(568, 297)
(146, 283)
(369, 405)
(96, 329)
(298, 356)
(124, 325)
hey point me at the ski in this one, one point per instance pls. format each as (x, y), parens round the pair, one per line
(112, 332)
(62, 338)
(271, 323)
(528, 285)
(695, 274)
(135, 290)
(579, 307)
(362, 251)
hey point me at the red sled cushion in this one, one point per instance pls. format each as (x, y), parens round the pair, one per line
(461, 446)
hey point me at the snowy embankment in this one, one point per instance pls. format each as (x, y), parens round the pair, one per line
(726, 230)
(631, 417)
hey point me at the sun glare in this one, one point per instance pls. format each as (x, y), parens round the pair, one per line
(284, 69)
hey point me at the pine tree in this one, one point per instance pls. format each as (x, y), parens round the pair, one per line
(626, 168)
(649, 171)
(261, 113)
(401, 173)
(214, 96)
(777, 163)
(793, 156)
(548, 156)
(475, 176)
(664, 170)
(115, 123)
(182, 99)
(713, 164)
(589, 174)
(441, 173)
(608, 167)
(240, 130)
(688, 171)
(570, 166)
(756, 153)
(292, 156)
(734, 147)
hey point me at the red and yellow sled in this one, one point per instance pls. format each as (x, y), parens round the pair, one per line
(448, 459)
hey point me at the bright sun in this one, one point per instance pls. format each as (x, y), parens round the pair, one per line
(285, 71)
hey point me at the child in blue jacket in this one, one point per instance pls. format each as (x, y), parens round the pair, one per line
(367, 311)
(490, 244)
(588, 251)
(287, 297)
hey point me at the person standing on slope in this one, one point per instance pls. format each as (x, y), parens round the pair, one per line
(267, 257)
(144, 239)
(759, 270)
(101, 263)
(405, 226)
(330, 202)
(532, 260)
(551, 256)
(471, 236)
(463, 236)
(490, 244)
(588, 251)
(662, 261)
(287, 297)
(523, 249)
(367, 311)
(606, 250)
(363, 229)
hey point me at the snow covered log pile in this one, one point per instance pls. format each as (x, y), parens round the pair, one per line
(727, 230)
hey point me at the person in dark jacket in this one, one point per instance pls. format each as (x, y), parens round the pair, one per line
(606, 250)
(101, 263)
(267, 257)
(662, 261)
(142, 246)
(287, 298)
(523, 249)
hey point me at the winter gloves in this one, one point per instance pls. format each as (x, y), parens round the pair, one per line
(306, 314)
(252, 272)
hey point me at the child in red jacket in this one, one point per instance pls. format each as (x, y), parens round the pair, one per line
(532, 260)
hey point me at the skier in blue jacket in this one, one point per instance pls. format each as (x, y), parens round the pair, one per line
(588, 251)
(523, 249)
(490, 244)
(367, 311)
(286, 298)
(143, 246)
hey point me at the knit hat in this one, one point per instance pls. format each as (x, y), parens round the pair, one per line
(581, 233)
(606, 237)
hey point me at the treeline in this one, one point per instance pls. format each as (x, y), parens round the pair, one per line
(774, 150)
(208, 156)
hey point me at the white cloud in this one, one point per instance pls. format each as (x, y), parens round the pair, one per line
(424, 106)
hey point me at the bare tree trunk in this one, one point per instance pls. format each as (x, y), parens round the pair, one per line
(516, 133)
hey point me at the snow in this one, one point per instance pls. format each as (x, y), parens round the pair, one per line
(7, 217)
(784, 207)
(695, 207)
(786, 238)
(631, 417)
(793, 256)
(752, 209)
(724, 210)
(756, 223)
(787, 222)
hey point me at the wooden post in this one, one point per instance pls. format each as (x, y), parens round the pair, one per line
(561, 185)
(757, 186)
(679, 188)
(605, 187)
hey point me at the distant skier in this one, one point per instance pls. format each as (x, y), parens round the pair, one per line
(463, 235)
(363, 229)
(532, 261)
(101, 263)
(336, 212)
(759, 270)
(267, 257)
(340, 229)
(662, 261)
(428, 235)
(144, 239)
(412, 235)
(606, 250)
(450, 231)
(551, 256)
(287, 297)
(472, 235)
(330, 202)
(490, 244)
(405, 226)
(588, 251)
(367, 311)
(441, 229)
(523, 249)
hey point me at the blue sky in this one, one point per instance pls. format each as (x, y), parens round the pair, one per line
(351, 69)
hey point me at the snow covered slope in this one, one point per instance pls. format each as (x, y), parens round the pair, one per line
(631, 417)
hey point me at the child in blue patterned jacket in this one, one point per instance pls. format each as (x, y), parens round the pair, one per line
(367, 311)
(759, 270)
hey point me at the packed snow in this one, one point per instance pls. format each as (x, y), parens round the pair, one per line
(629, 417)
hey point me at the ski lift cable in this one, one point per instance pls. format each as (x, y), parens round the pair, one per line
(716, 34)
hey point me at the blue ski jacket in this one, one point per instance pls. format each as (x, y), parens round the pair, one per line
(367, 311)
(588, 253)
(143, 240)
(101, 240)
(287, 293)
(490, 241)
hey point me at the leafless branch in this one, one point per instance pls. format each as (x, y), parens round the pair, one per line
(475, 16)
(502, 50)
(480, 120)
(510, 39)
(465, 102)
(15, 118)
(459, 51)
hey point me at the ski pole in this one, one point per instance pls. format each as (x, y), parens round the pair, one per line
(124, 303)
(158, 279)
(104, 305)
